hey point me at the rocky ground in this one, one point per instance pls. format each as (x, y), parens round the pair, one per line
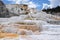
(30, 27)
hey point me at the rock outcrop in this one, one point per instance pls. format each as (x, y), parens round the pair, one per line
(4, 12)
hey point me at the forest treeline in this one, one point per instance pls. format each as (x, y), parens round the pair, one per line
(52, 10)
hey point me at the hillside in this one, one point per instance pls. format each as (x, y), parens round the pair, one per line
(4, 12)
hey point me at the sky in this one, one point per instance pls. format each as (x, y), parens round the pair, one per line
(39, 4)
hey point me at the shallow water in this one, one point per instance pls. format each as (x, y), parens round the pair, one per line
(49, 31)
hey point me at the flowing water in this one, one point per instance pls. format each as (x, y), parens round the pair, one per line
(50, 26)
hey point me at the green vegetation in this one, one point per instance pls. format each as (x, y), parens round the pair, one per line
(55, 10)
